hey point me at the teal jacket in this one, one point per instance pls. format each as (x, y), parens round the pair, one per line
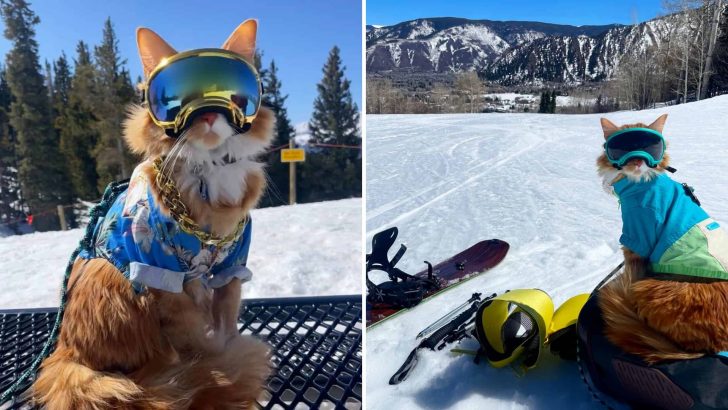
(660, 222)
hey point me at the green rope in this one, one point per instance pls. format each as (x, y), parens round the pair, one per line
(110, 194)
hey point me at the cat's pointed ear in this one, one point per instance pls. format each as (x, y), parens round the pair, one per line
(242, 40)
(608, 127)
(152, 49)
(659, 123)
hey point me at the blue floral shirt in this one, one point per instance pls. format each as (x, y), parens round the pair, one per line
(153, 251)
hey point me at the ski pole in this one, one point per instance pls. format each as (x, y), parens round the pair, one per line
(448, 316)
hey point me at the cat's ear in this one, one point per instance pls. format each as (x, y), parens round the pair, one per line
(152, 49)
(242, 40)
(659, 124)
(608, 127)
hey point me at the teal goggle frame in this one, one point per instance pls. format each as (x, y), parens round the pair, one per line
(629, 143)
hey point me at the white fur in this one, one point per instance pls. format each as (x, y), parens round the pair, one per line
(224, 182)
(643, 173)
(608, 177)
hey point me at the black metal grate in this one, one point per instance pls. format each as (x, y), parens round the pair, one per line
(316, 340)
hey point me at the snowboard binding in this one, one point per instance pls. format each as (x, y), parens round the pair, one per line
(402, 290)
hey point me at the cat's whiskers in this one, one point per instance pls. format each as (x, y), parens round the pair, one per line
(174, 153)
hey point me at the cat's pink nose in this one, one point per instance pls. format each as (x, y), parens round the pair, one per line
(209, 117)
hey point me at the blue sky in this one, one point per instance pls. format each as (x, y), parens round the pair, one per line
(573, 12)
(297, 34)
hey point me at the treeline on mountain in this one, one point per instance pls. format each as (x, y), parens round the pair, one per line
(688, 62)
(60, 128)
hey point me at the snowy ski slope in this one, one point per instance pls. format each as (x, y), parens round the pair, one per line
(448, 181)
(299, 250)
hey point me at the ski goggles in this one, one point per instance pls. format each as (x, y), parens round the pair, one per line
(203, 80)
(630, 143)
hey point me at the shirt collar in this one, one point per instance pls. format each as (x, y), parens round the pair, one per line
(626, 186)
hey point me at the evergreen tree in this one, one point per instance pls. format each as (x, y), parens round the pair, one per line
(61, 83)
(278, 172)
(58, 95)
(543, 103)
(76, 123)
(263, 74)
(114, 92)
(11, 209)
(41, 171)
(552, 102)
(335, 117)
(49, 88)
(331, 173)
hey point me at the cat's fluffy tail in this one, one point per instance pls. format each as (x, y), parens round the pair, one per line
(66, 384)
(625, 329)
(233, 378)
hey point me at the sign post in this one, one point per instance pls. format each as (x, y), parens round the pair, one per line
(292, 155)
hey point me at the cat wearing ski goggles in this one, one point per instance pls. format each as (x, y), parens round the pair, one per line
(671, 301)
(151, 316)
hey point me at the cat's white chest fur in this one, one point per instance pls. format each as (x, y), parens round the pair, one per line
(219, 175)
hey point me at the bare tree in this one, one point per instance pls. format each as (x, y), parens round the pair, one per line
(717, 13)
(441, 98)
(638, 79)
(471, 88)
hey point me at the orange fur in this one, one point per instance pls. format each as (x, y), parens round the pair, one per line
(160, 350)
(661, 320)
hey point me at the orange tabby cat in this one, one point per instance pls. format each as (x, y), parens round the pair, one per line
(155, 349)
(659, 318)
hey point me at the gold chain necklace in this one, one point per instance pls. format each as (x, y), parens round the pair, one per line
(171, 198)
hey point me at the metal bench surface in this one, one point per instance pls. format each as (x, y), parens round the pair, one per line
(316, 342)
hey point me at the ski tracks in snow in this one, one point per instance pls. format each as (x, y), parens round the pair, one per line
(448, 181)
(467, 149)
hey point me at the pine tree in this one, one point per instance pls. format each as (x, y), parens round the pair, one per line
(543, 103)
(114, 92)
(278, 172)
(332, 173)
(11, 208)
(76, 123)
(49, 88)
(61, 83)
(336, 117)
(40, 170)
(552, 102)
(263, 74)
(58, 95)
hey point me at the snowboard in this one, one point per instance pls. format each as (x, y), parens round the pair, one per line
(451, 272)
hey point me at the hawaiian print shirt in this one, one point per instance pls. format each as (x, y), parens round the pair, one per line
(152, 250)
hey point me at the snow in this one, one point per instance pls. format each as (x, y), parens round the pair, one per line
(448, 181)
(302, 133)
(511, 97)
(504, 102)
(570, 101)
(308, 249)
(420, 29)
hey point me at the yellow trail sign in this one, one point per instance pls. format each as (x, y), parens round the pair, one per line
(293, 155)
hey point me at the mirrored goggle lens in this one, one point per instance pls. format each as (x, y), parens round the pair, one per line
(193, 78)
(619, 146)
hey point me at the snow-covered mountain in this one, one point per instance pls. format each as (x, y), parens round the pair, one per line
(509, 52)
(528, 179)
